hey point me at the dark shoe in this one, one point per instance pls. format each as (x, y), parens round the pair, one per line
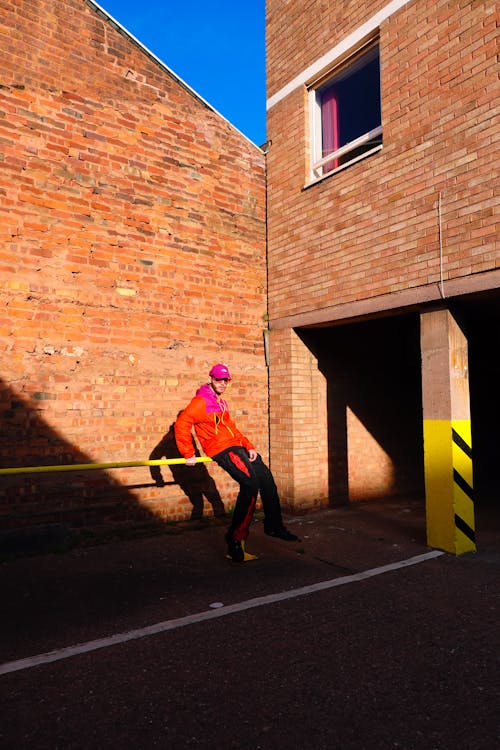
(235, 549)
(219, 511)
(284, 534)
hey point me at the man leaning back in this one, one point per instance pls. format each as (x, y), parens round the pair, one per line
(222, 441)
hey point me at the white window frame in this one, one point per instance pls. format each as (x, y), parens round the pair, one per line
(317, 160)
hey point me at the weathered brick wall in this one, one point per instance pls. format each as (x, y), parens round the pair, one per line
(372, 229)
(132, 219)
(371, 232)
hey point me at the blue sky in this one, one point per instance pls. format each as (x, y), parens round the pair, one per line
(217, 48)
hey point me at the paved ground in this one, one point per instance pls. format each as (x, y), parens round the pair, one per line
(298, 649)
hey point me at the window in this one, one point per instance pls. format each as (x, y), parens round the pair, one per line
(346, 114)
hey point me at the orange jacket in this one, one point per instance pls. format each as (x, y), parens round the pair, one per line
(212, 424)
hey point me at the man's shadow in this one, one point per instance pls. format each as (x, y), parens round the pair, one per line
(195, 481)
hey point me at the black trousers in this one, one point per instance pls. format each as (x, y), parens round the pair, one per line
(253, 477)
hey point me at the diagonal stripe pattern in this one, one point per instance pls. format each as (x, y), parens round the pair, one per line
(463, 495)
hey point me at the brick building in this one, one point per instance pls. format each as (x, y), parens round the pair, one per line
(132, 257)
(383, 255)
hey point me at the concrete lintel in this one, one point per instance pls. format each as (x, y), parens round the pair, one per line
(406, 300)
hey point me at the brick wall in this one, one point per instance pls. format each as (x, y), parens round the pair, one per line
(362, 240)
(298, 427)
(132, 257)
(372, 229)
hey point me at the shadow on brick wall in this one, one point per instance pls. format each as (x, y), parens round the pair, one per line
(47, 511)
(194, 481)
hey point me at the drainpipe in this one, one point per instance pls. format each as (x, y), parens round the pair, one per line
(265, 150)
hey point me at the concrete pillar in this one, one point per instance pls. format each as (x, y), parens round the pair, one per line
(447, 434)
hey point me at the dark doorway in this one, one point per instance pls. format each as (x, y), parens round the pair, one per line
(373, 374)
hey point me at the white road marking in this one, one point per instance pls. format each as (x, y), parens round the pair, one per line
(180, 622)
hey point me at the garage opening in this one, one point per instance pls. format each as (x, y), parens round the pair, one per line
(374, 407)
(373, 376)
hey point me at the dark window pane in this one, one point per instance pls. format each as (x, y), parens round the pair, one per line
(350, 105)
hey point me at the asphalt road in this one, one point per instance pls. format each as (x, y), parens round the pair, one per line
(315, 645)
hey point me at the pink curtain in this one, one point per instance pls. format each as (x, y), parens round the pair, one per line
(330, 127)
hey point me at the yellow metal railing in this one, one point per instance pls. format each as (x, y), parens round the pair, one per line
(87, 467)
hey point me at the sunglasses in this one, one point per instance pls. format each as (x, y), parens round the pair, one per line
(222, 380)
